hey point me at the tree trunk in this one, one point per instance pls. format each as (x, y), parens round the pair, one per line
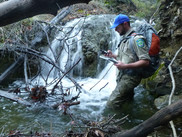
(14, 10)
(160, 118)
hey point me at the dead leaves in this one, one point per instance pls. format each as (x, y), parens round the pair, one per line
(38, 93)
(106, 127)
(94, 133)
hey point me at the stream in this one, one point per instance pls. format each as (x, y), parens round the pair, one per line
(42, 118)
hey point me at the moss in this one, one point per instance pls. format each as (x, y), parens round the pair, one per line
(152, 78)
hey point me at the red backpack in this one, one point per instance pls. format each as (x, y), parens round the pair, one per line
(152, 38)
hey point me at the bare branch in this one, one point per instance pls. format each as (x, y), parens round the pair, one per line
(173, 90)
(101, 78)
(172, 77)
(65, 74)
(33, 43)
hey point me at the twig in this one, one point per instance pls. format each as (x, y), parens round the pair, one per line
(50, 61)
(2, 131)
(109, 120)
(172, 77)
(65, 74)
(151, 18)
(173, 89)
(104, 86)
(34, 42)
(101, 78)
(25, 70)
(67, 104)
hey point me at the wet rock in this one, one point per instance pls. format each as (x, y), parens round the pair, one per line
(171, 16)
(97, 36)
(163, 101)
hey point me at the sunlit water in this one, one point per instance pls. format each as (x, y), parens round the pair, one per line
(42, 117)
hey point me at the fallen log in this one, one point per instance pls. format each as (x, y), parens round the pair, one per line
(58, 18)
(15, 10)
(20, 100)
(14, 98)
(160, 118)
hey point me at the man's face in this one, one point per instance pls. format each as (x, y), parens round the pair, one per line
(121, 29)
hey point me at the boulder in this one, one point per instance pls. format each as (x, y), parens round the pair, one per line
(96, 36)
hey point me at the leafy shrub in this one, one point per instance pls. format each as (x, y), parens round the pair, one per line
(145, 9)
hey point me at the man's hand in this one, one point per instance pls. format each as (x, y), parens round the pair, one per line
(110, 54)
(121, 65)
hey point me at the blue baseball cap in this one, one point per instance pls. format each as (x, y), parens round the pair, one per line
(121, 18)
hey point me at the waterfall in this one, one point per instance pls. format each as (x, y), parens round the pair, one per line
(65, 49)
(68, 48)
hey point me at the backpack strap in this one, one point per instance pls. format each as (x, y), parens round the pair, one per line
(121, 42)
(131, 44)
(126, 38)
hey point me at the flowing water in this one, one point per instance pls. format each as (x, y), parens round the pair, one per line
(43, 118)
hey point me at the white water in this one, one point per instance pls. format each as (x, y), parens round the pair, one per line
(97, 89)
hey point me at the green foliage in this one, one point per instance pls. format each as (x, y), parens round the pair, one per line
(159, 1)
(80, 11)
(109, 2)
(145, 8)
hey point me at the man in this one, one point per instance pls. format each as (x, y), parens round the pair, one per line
(131, 60)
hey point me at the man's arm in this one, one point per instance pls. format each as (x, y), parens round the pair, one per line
(137, 64)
